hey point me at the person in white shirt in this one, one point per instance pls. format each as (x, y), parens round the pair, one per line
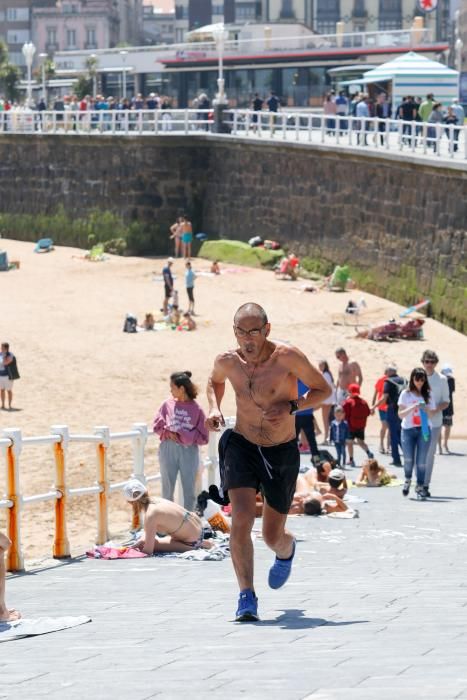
(416, 407)
(440, 392)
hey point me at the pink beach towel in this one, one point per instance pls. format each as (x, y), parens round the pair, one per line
(103, 552)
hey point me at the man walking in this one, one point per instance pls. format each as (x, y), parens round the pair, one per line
(168, 285)
(349, 372)
(261, 451)
(440, 394)
(391, 389)
(7, 364)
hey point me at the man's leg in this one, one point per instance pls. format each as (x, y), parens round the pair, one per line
(243, 501)
(10, 397)
(2, 394)
(349, 444)
(275, 535)
(394, 433)
(430, 458)
(5, 614)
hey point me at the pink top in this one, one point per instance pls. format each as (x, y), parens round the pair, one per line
(183, 417)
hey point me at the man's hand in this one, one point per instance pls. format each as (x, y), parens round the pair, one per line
(215, 420)
(277, 412)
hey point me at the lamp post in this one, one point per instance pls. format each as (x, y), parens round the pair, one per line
(124, 54)
(220, 36)
(94, 74)
(28, 52)
(459, 44)
(44, 88)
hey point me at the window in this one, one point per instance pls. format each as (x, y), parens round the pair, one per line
(218, 9)
(390, 14)
(287, 11)
(328, 12)
(16, 58)
(91, 37)
(245, 12)
(71, 38)
(17, 36)
(51, 35)
(17, 14)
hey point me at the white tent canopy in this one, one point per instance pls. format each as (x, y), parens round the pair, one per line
(416, 75)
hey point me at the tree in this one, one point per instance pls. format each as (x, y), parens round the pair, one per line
(9, 74)
(82, 87)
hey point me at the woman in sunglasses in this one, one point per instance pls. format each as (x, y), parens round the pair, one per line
(416, 406)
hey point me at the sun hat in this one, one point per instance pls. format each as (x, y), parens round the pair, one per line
(133, 489)
(336, 474)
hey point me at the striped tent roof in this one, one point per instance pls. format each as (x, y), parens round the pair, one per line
(409, 65)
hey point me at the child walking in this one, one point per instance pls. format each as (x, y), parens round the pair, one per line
(356, 412)
(339, 434)
(190, 285)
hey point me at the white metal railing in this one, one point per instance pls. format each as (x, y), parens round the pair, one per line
(396, 135)
(107, 122)
(307, 127)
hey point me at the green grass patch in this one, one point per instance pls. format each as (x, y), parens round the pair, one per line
(240, 253)
(96, 226)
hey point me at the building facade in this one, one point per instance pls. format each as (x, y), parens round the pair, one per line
(15, 26)
(319, 15)
(158, 26)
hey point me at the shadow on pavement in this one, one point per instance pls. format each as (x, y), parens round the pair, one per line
(294, 619)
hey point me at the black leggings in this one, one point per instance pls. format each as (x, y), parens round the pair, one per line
(306, 423)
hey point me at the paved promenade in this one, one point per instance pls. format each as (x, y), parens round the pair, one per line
(376, 608)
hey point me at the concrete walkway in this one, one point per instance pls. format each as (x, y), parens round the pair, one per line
(376, 608)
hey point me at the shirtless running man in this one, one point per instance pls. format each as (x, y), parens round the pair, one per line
(6, 615)
(349, 372)
(261, 450)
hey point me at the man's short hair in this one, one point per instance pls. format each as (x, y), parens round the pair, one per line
(6, 346)
(430, 355)
(251, 309)
(339, 350)
(312, 507)
(391, 369)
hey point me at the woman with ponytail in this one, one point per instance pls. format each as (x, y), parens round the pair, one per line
(179, 423)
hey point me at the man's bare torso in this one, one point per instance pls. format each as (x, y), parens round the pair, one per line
(348, 373)
(257, 388)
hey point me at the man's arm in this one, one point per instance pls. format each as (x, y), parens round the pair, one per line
(358, 373)
(319, 389)
(215, 391)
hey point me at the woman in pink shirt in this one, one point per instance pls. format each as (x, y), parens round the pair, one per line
(179, 423)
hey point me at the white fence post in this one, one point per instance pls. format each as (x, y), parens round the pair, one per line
(139, 443)
(102, 481)
(15, 559)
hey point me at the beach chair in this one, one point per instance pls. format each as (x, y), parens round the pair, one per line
(44, 245)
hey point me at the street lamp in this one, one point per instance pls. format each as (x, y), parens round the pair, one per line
(459, 44)
(28, 52)
(94, 74)
(220, 36)
(44, 88)
(124, 54)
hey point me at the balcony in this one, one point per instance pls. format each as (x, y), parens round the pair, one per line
(51, 47)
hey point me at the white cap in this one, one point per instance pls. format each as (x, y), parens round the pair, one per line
(447, 370)
(133, 490)
(170, 260)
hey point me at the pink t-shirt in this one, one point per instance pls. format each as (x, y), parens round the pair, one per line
(183, 417)
(413, 419)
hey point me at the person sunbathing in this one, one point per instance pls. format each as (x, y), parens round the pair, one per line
(6, 614)
(316, 503)
(182, 530)
(372, 474)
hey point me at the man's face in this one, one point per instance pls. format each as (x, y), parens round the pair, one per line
(251, 333)
(341, 356)
(429, 365)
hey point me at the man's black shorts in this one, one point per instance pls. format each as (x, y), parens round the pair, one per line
(274, 469)
(189, 291)
(167, 291)
(357, 434)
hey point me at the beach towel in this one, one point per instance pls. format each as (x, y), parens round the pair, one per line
(30, 627)
(344, 515)
(112, 552)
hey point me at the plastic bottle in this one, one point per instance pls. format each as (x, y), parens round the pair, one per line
(215, 517)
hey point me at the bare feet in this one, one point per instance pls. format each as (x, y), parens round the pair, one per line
(207, 544)
(10, 615)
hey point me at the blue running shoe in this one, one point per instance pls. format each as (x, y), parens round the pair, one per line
(247, 610)
(280, 570)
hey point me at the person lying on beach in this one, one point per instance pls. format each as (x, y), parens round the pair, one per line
(188, 322)
(316, 503)
(168, 527)
(215, 268)
(6, 614)
(372, 474)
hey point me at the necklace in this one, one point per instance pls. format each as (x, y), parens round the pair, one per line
(249, 376)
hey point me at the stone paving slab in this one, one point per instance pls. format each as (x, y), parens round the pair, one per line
(376, 608)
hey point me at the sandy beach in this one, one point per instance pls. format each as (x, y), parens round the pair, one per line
(63, 317)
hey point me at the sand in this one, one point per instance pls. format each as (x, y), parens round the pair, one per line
(63, 317)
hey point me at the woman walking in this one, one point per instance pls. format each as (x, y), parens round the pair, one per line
(176, 231)
(179, 423)
(326, 406)
(415, 408)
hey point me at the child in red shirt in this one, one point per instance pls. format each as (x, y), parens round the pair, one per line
(356, 413)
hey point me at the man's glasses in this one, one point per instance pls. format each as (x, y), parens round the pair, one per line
(253, 333)
(429, 362)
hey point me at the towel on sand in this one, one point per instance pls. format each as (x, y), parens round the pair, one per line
(26, 627)
(112, 552)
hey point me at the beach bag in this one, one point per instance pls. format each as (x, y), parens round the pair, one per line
(130, 324)
(12, 370)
